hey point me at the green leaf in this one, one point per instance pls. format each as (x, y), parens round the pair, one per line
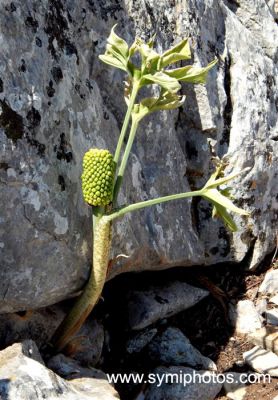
(180, 51)
(190, 73)
(221, 212)
(167, 101)
(217, 198)
(168, 83)
(117, 53)
(118, 43)
(110, 60)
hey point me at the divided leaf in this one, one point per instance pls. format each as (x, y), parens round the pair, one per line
(168, 83)
(180, 51)
(117, 53)
(190, 73)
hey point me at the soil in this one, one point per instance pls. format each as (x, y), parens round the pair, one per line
(213, 334)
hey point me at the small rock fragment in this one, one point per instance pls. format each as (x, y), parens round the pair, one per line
(158, 302)
(272, 316)
(183, 383)
(173, 348)
(266, 337)
(261, 360)
(261, 306)
(270, 283)
(235, 390)
(70, 369)
(140, 340)
(245, 317)
(274, 299)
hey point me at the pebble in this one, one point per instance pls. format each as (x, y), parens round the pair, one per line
(266, 337)
(245, 317)
(235, 390)
(261, 360)
(157, 302)
(274, 299)
(270, 283)
(172, 347)
(272, 316)
(140, 340)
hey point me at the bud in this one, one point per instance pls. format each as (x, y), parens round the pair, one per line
(98, 177)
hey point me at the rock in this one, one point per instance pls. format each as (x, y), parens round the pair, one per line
(272, 316)
(270, 283)
(157, 302)
(274, 299)
(266, 337)
(244, 317)
(70, 369)
(140, 340)
(261, 306)
(87, 344)
(235, 390)
(173, 348)
(23, 376)
(38, 325)
(262, 361)
(57, 100)
(181, 385)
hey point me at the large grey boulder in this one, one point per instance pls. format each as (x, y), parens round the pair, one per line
(57, 100)
(24, 376)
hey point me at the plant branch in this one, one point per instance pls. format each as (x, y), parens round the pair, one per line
(133, 129)
(148, 203)
(133, 95)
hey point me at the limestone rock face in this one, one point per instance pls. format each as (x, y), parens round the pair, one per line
(57, 100)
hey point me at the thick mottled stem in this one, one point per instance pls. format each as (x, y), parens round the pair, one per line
(87, 300)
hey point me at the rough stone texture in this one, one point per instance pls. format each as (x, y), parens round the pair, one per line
(57, 100)
(270, 283)
(40, 325)
(266, 337)
(173, 348)
(70, 369)
(147, 306)
(261, 360)
(245, 317)
(23, 376)
(198, 390)
(137, 343)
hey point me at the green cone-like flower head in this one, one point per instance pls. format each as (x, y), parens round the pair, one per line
(98, 177)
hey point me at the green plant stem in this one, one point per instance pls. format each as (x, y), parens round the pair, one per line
(132, 99)
(133, 129)
(148, 203)
(92, 291)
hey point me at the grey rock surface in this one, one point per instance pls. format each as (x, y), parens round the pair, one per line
(23, 376)
(139, 341)
(40, 325)
(262, 361)
(270, 283)
(57, 100)
(147, 306)
(172, 347)
(199, 390)
(70, 369)
(245, 317)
